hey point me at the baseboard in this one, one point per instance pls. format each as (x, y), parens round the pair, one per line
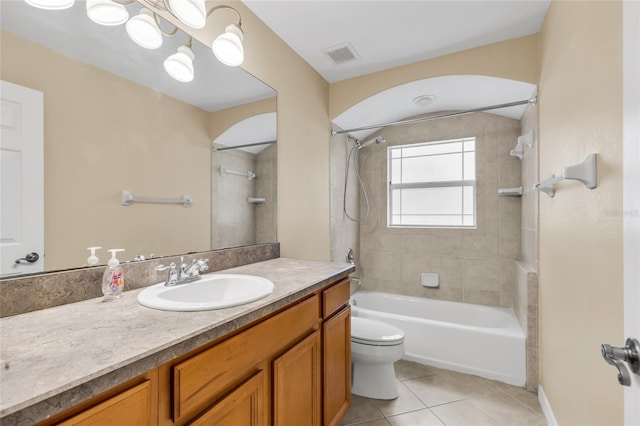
(546, 407)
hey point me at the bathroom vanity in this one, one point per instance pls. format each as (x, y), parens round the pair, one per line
(282, 360)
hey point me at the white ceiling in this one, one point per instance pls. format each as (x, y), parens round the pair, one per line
(215, 87)
(391, 33)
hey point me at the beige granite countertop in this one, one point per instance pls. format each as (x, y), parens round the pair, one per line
(54, 358)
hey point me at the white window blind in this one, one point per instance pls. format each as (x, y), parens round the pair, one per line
(433, 184)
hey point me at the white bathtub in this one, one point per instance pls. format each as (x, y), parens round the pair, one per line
(481, 340)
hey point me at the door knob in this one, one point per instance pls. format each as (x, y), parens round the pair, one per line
(30, 258)
(617, 357)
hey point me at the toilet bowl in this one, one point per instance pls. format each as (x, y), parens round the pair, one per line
(375, 346)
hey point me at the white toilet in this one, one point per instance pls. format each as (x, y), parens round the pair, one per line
(375, 346)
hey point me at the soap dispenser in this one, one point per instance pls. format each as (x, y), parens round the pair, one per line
(93, 259)
(113, 278)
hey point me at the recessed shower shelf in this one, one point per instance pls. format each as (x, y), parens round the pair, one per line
(513, 192)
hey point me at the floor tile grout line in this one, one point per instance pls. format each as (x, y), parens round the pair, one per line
(438, 417)
(495, 388)
(485, 412)
(518, 401)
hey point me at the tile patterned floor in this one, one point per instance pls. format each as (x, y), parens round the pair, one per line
(431, 396)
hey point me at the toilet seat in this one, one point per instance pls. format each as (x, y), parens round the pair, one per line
(375, 333)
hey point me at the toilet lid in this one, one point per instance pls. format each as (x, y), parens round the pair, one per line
(372, 332)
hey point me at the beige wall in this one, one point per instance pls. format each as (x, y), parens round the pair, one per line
(580, 112)
(515, 59)
(104, 134)
(474, 265)
(221, 121)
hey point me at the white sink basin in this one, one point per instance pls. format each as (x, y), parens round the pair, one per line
(215, 291)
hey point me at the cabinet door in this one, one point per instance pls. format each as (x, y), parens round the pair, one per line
(337, 366)
(245, 406)
(131, 407)
(296, 384)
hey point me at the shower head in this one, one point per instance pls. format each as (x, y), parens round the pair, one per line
(377, 140)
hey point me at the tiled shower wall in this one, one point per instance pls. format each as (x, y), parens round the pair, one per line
(234, 221)
(344, 232)
(526, 290)
(529, 231)
(233, 218)
(266, 187)
(474, 265)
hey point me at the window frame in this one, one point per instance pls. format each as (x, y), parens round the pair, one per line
(436, 184)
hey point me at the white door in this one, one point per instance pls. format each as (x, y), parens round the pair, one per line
(21, 180)
(631, 196)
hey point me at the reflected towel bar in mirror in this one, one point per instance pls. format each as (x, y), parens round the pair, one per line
(128, 199)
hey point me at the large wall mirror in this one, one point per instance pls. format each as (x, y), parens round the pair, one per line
(115, 121)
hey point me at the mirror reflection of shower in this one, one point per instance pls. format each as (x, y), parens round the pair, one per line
(353, 153)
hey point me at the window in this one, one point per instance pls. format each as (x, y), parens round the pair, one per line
(433, 184)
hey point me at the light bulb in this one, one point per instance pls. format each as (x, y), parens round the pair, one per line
(106, 12)
(144, 30)
(228, 46)
(180, 65)
(50, 4)
(191, 12)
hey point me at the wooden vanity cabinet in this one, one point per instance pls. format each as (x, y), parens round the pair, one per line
(291, 368)
(199, 382)
(336, 351)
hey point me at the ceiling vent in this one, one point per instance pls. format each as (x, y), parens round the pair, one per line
(341, 53)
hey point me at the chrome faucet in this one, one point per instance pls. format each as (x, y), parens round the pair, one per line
(185, 273)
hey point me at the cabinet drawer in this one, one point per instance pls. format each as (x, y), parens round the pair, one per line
(335, 297)
(204, 378)
(131, 407)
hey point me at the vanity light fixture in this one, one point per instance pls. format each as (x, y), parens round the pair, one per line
(144, 30)
(180, 64)
(51, 4)
(107, 12)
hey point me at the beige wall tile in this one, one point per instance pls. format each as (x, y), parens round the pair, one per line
(506, 299)
(481, 243)
(532, 369)
(449, 270)
(412, 266)
(452, 294)
(481, 297)
(471, 259)
(446, 242)
(481, 274)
